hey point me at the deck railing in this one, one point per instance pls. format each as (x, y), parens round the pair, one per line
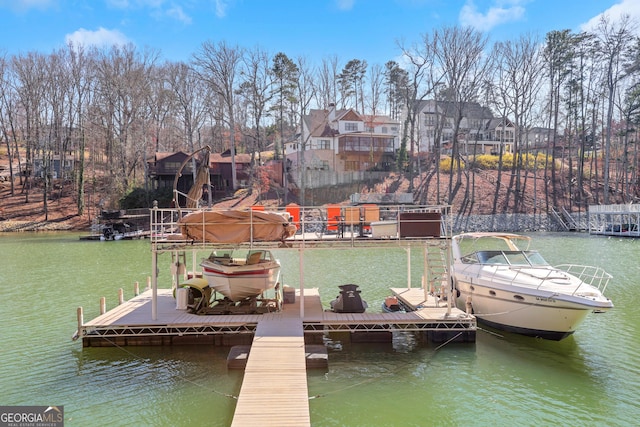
(326, 223)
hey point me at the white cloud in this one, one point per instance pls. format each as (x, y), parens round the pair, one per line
(24, 5)
(345, 4)
(501, 12)
(221, 8)
(99, 38)
(177, 13)
(615, 12)
(157, 9)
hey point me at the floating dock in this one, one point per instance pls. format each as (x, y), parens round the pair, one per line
(274, 388)
(130, 323)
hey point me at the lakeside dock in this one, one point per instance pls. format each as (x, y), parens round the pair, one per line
(279, 340)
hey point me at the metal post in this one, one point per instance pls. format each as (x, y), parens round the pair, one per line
(80, 316)
(154, 285)
(301, 260)
(409, 267)
(425, 276)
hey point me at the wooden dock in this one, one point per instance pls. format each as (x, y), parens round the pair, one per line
(131, 323)
(274, 388)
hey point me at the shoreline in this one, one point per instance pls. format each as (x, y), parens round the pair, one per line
(13, 226)
(467, 223)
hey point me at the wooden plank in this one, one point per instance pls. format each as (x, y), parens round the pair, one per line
(274, 389)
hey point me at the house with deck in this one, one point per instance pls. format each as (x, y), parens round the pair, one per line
(164, 167)
(479, 133)
(342, 144)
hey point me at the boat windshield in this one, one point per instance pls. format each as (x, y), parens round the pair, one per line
(516, 258)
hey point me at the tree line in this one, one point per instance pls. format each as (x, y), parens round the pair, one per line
(111, 109)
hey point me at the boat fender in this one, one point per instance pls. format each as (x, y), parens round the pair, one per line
(469, 306)
(454, 287)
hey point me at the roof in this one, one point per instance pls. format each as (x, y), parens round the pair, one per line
(219, 158)
(317, 122)
(161, 155)
(470, 110)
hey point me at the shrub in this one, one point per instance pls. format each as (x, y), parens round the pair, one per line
(528, 161)
(445, 165)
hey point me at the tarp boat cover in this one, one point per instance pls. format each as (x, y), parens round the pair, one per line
(236, 226)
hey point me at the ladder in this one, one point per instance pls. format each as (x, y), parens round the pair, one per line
(437, 262)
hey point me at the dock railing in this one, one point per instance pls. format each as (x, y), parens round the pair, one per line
(354, 226)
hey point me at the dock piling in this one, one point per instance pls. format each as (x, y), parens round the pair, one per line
(120, 296)
(103, 305)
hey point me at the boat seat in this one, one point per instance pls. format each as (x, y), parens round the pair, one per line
(254, 258)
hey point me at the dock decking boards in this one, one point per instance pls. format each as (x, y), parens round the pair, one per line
(274, 388)
(133, 319)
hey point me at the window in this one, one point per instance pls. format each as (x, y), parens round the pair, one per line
(384, 129)
(172, 166)
(350, 127)
(324, 144)
(429, 119)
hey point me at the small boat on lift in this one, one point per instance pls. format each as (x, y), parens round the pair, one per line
(239, 277)
(349, 300)
(518, 291)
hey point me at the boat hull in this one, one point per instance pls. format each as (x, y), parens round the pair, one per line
(537, 316)
(240, 282)
(518, 291)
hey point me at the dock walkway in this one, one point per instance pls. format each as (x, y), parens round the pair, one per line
(274, 388)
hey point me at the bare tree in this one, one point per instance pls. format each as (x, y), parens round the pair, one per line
(615, 41)
(218, 66)
(124, 84)
(376, 81)
(256, 91)
(327, 92)
(518, 82)
(305, 93)
(460, 55)
(30, 73)
(80, 69)
(189, 97)
(7, 121)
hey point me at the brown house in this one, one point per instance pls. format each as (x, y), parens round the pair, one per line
(164, 167)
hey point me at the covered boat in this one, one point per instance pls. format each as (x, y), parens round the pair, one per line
(241, 276)
(518, 291)
(235, 226)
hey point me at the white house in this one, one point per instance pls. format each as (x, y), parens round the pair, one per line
(343, 141)
(480, 132)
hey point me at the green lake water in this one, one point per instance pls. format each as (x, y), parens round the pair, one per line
(589, 379)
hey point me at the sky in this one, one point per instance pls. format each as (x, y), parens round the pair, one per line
(369, 30)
